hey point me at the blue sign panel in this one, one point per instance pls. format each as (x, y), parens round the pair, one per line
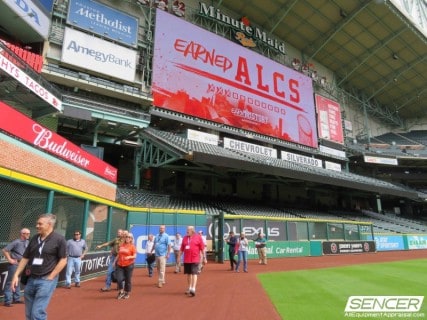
(48, 4)
(389, 243)
(140, 234)
(103, 20)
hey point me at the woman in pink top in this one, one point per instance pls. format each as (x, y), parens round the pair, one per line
(125, 262)
(193, 249)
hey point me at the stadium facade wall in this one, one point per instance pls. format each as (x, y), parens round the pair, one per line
(22, 158)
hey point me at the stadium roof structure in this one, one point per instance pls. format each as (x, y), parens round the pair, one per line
(377, 53)
(163, 148)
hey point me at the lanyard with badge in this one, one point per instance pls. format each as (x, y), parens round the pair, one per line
(187, 247)
(39, 261)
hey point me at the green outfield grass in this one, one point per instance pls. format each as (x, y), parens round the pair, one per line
(323, 293)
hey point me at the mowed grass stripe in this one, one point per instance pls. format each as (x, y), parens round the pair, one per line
(323, 293)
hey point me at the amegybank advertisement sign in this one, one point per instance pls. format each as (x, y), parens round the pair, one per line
(88, 52)
(204, 75)
(103, 20)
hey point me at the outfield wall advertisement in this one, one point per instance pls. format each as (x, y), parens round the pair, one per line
(389, 243)
(198, 73)
(92, 264)
(346, 247)
(141, 232)
(417, 242)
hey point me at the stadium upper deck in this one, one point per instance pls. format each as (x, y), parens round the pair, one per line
(367, 59)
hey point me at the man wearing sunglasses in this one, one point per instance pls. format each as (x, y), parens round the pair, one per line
(76, 249)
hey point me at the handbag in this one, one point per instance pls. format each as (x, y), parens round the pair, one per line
(150, 258)
(25, 276)
(113, 276)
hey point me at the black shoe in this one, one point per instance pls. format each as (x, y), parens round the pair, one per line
(77, 284)
(18, 302)
(8, 305)
(192, 293)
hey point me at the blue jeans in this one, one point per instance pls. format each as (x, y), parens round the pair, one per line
(8, 294)
(150, 267)
(243, 255)
(110, 271)
(38, 293)
(73, 264)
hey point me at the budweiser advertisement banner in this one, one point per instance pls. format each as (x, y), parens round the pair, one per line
(26, 129)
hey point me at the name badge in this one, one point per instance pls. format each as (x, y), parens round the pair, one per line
(37, 261)
(187, 247)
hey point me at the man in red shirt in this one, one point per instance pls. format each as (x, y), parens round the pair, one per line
(193, 249)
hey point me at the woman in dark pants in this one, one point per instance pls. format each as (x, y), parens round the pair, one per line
(125, 263)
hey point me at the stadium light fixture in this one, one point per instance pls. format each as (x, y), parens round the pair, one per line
(131, 143)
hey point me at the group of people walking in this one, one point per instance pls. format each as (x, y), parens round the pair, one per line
(158, 249)
(239, 245)
(40, 259)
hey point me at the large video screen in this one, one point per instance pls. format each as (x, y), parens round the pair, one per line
(204, 75)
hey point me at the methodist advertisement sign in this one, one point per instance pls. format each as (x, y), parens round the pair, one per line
(329, 117)
(198, 73)
(104, 21)
(31, 14)
(91, 53)
(26, 129)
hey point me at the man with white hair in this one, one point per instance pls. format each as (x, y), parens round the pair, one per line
(194, 252)
(13, 253)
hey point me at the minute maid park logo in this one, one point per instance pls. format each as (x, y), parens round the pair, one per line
(245, 34)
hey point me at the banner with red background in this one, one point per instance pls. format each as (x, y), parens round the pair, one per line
(26, 129)
(198, 73)
(330, 121)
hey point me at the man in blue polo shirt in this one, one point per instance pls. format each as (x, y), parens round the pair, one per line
(76, 249)
(162, 248)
